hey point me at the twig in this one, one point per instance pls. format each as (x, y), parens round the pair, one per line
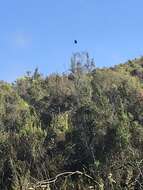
(65, 174)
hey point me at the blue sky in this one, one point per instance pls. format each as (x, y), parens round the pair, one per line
(40, 33)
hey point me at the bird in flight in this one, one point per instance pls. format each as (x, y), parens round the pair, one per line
(75, 41)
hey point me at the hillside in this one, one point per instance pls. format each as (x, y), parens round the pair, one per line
(88, 120)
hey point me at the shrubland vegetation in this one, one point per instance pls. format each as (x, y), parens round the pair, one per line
(77, 131)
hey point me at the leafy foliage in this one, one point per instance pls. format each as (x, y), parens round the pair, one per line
(88, 120)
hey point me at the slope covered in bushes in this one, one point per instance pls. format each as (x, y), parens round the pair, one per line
(88, 120)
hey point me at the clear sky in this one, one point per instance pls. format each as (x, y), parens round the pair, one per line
(40, 33)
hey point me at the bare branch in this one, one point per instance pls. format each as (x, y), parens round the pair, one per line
(64, 174)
